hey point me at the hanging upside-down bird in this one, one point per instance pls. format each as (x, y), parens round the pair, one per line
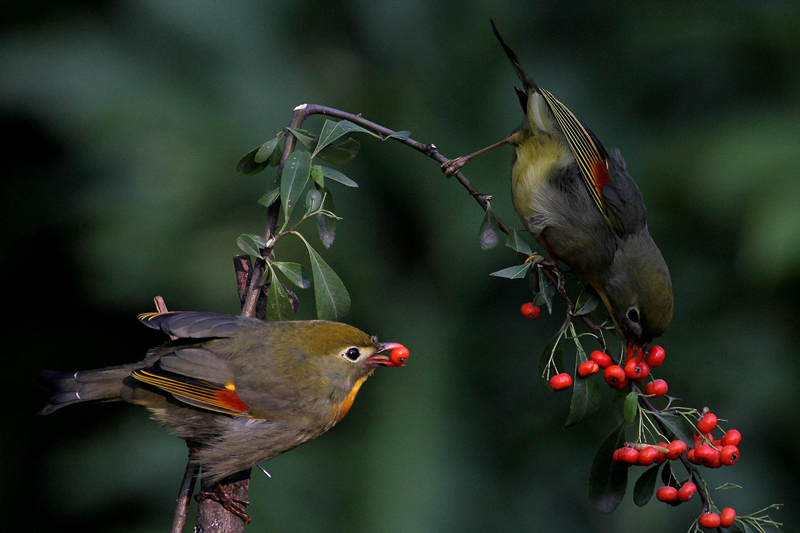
(241, 390)
(583, 207)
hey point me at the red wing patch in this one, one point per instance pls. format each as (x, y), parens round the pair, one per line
(590, 155)
(196, 392)
(600, 174)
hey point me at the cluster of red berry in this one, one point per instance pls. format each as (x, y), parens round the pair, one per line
(710, 520)
(710, 452)
(707, 451)
(713, 454)
(636, 370)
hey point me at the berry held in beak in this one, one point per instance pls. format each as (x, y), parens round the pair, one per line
(397, 357)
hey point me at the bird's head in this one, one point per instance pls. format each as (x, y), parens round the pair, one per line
(344, 350)
(637, 290)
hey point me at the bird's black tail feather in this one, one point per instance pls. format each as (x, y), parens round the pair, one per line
(528, 84)
(67, 388)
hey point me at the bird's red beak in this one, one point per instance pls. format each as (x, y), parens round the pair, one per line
(397, 357)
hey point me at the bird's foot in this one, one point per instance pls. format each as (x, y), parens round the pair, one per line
(549, 262)
(236, 506)
(452, 166)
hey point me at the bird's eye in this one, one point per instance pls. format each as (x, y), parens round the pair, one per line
(633, 315)
(352, 354)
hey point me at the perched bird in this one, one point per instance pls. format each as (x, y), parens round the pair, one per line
(239, 390)
(583, 207)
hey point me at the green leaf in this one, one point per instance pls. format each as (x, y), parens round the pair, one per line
(401, 135)
(680, 427)
(250, 244)
(738, 527)
(547, 290)
(587, 301)
(608, 479)
(332, 299)
(338, 177)
(618, 404)
(552, 351)
(279, 307)
(247, 164)
(586, 397)
(490, 229)
(294, 179)
(318, 175)
(313, 200)
(514, 272)
(533, 280)
(305, 138)
(275, 159)
(331, 131)
(296, 273)
(645, 485)
(350, 127)
(266, 150)
(326, 226)
(631, 408)
(340, 153)
(515, 242)
(269, 198)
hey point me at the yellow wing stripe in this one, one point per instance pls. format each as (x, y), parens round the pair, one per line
(587, 154)
(153, 314)
(209, 398)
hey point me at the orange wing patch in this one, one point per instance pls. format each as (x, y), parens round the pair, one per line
(196, 392)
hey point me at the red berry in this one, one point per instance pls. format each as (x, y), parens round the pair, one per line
(603, 360)
(587, 368)
(732, 437)
(399, 355)
(656, 388)
(716, 463)
(726, 517)
(655, 356)
(729, 455)
(676, 449)
(636, 370)
(667, 494)
(615, 376)
(709, 520)
(629, 455)
(561, 381)
(705, 455)
(529, 310)
(662, 456)
(686, 492)
(647, 456)
(618, 455)
(707, 423)
(690, 456)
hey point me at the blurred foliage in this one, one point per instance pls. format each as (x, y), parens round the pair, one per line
(124, 122)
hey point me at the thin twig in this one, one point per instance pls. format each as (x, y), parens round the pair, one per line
(185, 495)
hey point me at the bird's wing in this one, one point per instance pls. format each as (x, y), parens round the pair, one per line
(197, 377)
(590, 155)
(194, 324)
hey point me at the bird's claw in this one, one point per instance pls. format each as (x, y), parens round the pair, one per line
(452, 166)
(548, 262)
(236, 506)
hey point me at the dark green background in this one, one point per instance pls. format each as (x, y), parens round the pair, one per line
(123, 122)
